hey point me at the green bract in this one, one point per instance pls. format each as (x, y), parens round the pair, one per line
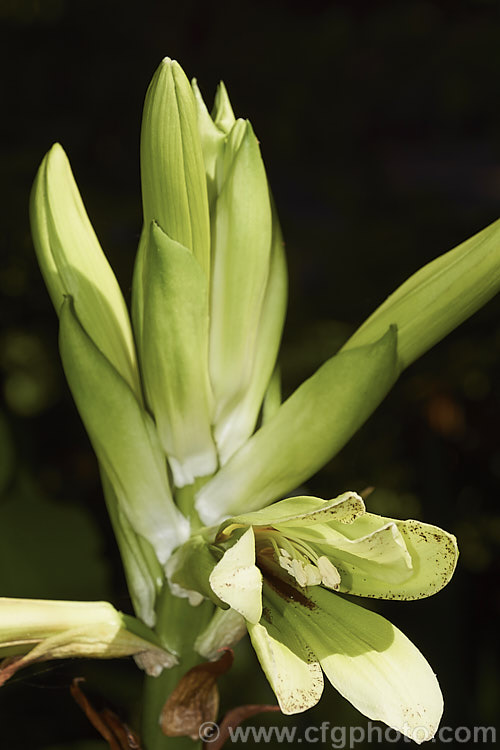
(183, 408)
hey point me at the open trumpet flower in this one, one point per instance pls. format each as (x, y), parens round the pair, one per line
(281, 567)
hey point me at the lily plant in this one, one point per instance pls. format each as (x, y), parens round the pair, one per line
(182, 403)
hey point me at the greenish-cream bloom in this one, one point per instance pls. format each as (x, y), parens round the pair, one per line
(284, 570)
(181, 400)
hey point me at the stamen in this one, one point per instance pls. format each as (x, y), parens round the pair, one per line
(305, 549)
(313, 575)
(275, 546)
(299, 572)
(300, 560)
(330, 576)
(286, 564)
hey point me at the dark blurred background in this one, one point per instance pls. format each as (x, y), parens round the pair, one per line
(380, 129)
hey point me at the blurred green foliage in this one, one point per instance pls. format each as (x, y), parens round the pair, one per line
(380, 130)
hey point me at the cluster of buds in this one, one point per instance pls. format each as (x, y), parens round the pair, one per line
(182, 404)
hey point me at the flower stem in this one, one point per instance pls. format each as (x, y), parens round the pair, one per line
(156, 692)
(178, 625)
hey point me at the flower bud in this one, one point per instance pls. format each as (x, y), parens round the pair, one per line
(43, 629)
(174, 191)
(72, 263)
(175, 356)
(124, 438)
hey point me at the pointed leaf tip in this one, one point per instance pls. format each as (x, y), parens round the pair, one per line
(72, 262)
(222, 114)
(438, 297)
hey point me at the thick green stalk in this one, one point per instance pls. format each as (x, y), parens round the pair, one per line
(156, 692)
(178, 625)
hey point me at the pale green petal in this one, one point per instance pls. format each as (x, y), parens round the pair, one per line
(174, 190)
(438, 297)
(306, 431)
(212, 143)
(72, 263)
(309, 511)
(383, 557)
(384, 548)
(300, 511)
(222, 114)
(369, 661)
(174, 356)
(376, 667)
(241, 246)
(236, 579)
(379, 555)
(238, 425)
(296, 679)
(433, 554)
(124, 438)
